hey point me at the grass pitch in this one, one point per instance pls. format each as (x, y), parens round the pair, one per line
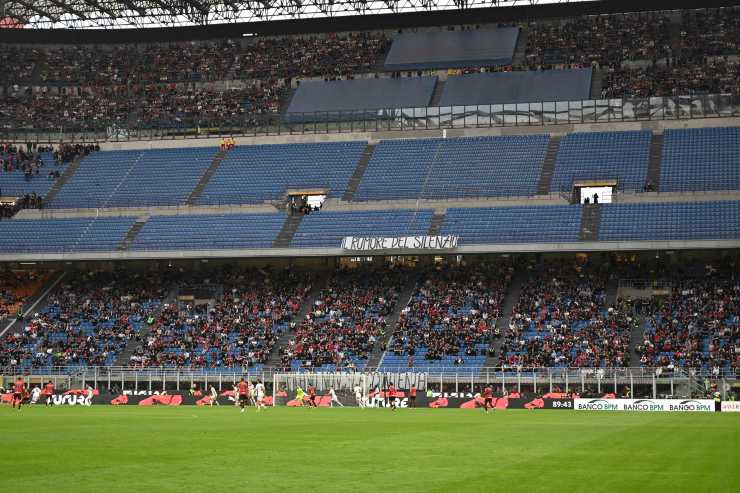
(128, 448)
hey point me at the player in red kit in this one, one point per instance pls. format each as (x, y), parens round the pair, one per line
(312, 395)
(412, 396)
(243, 393)
(488, 398)
(19, 391)
(49, 393)
(392, 396)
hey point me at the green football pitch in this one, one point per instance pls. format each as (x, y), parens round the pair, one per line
(156, 449)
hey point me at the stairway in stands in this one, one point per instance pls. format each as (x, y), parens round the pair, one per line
(436, 225)
(636, 339)
(520, 51)
(359, 172)
(502, 322)
(210, 171)
(548, 166)
(590, 222)
(290, 226)
(439, 89)
(133, 343)
(132, 233)
(66, 175)
(597, 82)
(273, 362)
(376, 357)
(656, 153)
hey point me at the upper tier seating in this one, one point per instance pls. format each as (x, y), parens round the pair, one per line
(453, 168)
(63, 235)
(255, 174)
(327, 229)
(449, 49)
(16, 184)
(162, 177)
(527, 224)
(700, 159)
(670, 221)
(603, 155)
(517, 87)
(211, 231)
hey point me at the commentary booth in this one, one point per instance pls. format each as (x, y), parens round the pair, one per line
(584, 191)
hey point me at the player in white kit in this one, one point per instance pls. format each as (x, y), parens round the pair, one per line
(358, 396)
(334, 398)
(259, 392)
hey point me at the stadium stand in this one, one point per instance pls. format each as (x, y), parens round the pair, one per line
(23, 173)
(453, 168)
(622, 156)
(345, 321)
(209, 231)
(87, 321)
(16, 288)
(238, 330)
(670, 221)
(517, 87)
(260, 173)
(449, 319)
(63, 235)
(697, 325)
(141, 177)
(526, 224)
(452, 49)
(700, 159)
(328, 228)
(562, 320)
(353, 97)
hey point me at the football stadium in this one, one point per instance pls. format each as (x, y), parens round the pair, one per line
(353, 245)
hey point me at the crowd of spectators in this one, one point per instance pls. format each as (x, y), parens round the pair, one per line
(696, 326)
(172, 106)
(238, 329)
(602, 41)
(88, 320)
(452, 313)
(562, 319)
(346, 321)
(177, 85)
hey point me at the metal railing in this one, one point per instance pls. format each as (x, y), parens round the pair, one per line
(404, 119)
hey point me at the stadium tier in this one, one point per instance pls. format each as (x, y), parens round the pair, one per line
(526, 224)
(621, 156)
(23, 175)
(162, 177)
(256, 174)
(245, 83)
(700, 159)
(453, 168)
(210, 231)
(690, 221)
(63, 235)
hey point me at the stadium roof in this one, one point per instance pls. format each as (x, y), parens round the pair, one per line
(80, 14)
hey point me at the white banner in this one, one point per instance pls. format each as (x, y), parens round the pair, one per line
(372, 243)
(731, 406)
(649, 405)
